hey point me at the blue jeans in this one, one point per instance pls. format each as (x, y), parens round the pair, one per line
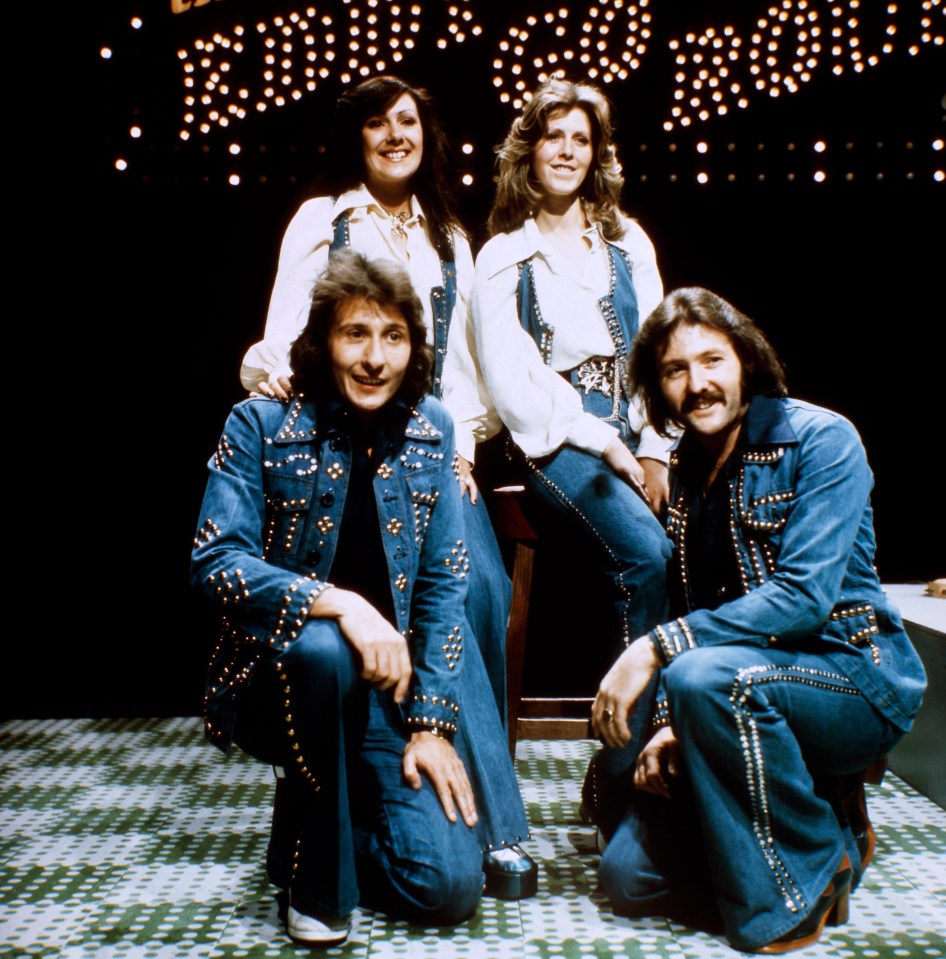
(488, 596)
(346, 827)
(575, 496)
(761, 731)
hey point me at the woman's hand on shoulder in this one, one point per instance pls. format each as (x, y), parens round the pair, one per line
(623, 462)
(276, 387)
(436, 758)
(385, 658)
(464, 471)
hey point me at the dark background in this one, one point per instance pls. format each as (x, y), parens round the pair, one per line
(173, 267)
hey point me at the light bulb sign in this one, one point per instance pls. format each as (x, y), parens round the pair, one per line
(264, 65)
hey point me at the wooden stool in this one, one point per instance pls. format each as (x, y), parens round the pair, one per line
(529, 718)
(854, 802)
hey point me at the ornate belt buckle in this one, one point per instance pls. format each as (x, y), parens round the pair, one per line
(596, 374)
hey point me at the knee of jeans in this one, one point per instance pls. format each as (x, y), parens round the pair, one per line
(443, 890)
(661, 548)
(650, 555)
(321, 654)
(699, 675)
(627, 883)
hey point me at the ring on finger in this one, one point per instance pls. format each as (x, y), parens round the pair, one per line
(607, 715)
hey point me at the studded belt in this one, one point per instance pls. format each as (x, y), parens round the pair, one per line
(600, 374)
(595, 374)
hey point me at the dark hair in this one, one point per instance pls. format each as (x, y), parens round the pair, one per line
(517, 193)
(762, 371)
(345, 165)
(351, 276)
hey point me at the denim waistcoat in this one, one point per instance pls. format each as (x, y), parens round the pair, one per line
(268, 532)
(607, 398)
(802, 533)
(442, 301)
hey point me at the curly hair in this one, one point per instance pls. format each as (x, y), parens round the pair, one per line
(517, 193)
(351, 276)
(345, 165)
(763, 373)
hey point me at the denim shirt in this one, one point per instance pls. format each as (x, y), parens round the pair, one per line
(268, 532)
(802, 535)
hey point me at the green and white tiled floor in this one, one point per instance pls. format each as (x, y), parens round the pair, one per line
(132, 838)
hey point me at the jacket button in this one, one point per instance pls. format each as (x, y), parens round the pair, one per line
(313, 557)
(327, 499)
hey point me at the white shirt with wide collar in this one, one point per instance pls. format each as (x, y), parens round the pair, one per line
(304, 255)
(540, 408)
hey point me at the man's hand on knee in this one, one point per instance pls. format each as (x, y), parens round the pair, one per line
(438, 760)
(619, 691)
(385, 658)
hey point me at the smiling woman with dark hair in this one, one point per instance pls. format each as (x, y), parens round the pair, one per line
(329, 536)
(389, 197)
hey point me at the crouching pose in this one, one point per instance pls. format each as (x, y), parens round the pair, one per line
(787, 671)
(331, 534)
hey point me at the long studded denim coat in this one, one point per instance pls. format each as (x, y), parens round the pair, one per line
(802, 531)
(267, 536)
(806, 677)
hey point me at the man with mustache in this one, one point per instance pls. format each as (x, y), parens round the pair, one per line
(787, 672)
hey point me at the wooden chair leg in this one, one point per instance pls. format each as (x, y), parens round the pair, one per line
(523, 560)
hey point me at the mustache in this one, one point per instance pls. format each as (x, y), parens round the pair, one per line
(692, 399)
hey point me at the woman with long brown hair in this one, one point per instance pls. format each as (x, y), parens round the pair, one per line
(559, 292)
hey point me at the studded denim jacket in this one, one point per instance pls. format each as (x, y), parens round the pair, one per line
(268, 532)
(802, 535)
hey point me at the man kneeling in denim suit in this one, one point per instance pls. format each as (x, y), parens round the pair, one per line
(787, 669)
(331, 536)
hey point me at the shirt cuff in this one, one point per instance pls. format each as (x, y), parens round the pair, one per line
(466, 443)
(653, 446)
(255, 371)
(591, 434)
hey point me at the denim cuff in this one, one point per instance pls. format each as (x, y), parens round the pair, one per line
(671, 639)
(661, 716)
(302, 593)
(433, 712)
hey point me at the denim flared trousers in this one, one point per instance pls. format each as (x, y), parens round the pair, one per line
(575, 497)
(752, 830)
(488, 595)
(346, 828)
